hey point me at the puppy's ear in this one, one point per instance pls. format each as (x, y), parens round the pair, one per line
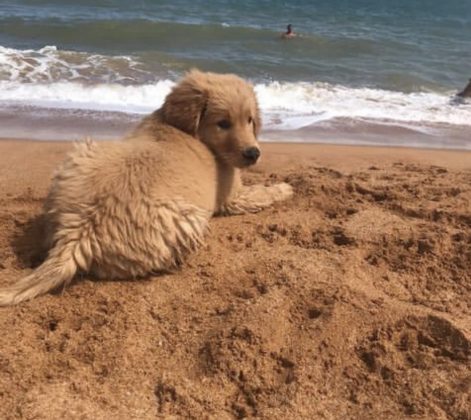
(184, 106)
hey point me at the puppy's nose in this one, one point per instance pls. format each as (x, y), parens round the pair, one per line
(251, 154)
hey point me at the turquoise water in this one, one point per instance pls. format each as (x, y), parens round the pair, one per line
(355, 63)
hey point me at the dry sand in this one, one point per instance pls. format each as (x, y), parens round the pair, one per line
(352, 300)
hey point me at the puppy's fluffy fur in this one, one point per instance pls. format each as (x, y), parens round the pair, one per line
(127, 209)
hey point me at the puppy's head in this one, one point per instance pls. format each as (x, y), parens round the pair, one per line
(221, 111)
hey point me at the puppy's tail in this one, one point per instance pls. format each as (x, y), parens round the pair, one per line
(59, 269)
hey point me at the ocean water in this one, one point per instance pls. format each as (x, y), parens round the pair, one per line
(360, 71)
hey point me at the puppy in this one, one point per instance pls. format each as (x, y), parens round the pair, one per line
(128, 209)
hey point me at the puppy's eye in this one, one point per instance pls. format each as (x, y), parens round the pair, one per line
(224, 124)
(250, 120)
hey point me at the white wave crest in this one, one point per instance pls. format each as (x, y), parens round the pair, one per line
(100, 96)
(285, 106)
(48, 64)
(65, 79)
(295, 105)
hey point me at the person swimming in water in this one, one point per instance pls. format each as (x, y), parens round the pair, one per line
(289, 32)
(466, 92)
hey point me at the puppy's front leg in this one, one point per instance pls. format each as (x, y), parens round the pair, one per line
(253, 198)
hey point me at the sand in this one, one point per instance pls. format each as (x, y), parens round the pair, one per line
(352, 300)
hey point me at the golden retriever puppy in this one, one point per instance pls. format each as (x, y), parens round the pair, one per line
(131, 208)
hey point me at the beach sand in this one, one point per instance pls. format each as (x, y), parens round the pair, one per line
(352, 300)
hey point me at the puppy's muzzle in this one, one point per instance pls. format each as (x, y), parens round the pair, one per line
(251, 154)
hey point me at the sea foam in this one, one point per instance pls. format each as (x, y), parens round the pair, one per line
(72, 80)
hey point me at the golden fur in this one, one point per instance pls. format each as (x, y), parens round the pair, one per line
(130, 208)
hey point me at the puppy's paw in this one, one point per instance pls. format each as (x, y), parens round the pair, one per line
(282, 191)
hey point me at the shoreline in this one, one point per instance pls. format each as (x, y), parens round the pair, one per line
(70, 124)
